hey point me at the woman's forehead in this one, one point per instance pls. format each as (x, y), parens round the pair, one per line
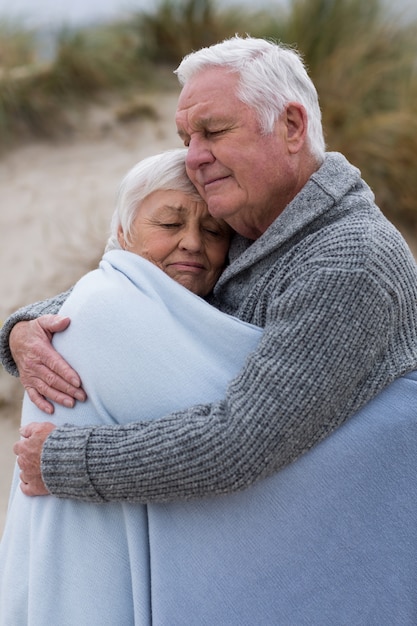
(174, 202)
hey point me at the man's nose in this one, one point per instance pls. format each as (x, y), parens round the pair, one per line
(198, 153)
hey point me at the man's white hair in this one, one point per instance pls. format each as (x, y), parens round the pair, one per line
(271, 76)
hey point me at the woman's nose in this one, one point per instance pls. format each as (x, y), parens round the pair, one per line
(192, 240)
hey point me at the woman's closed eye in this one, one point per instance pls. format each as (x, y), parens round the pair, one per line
(171, 225)
(215, 232)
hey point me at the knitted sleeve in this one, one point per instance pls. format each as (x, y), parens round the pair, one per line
(27, 313)
(311, 371)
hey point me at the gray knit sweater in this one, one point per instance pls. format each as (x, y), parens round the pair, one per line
(335, 288)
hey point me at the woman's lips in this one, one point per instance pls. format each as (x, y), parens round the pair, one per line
(188, 266)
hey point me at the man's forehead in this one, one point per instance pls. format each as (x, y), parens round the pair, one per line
(197, 114)
(204, 111)
(203, 87)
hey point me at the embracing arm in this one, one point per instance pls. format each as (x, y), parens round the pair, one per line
(320, 359)
(25, 349)
(27, 313)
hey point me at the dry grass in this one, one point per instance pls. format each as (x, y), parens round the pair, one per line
(16, 45)
(363, 64)
(178, 27)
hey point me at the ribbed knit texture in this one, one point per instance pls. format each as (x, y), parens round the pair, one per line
(334, 286)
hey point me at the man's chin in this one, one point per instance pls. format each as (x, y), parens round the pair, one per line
(217, 209)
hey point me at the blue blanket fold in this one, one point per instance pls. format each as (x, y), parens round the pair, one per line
(330, 540)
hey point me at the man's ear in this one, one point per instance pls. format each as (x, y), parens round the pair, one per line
(296, 121)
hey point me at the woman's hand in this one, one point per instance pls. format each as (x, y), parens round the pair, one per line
(43, 372)
(29, 452)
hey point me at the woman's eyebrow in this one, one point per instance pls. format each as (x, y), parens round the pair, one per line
(172, 208)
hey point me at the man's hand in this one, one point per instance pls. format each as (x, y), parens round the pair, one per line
(43, 372)
(29, 452)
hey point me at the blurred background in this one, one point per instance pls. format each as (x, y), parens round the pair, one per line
(56, 56)
(87, 89)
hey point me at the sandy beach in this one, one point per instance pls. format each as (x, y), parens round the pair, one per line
(57, 200)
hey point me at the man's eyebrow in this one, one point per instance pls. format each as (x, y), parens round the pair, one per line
(181, 133)
(204, 122)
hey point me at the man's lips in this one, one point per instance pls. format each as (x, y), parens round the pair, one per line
(211, 182)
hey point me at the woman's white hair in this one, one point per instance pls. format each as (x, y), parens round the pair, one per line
(271, 76)
(164, 171)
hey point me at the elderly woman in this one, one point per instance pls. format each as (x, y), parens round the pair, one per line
(139, 338)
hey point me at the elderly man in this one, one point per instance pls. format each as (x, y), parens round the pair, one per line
(314, 262)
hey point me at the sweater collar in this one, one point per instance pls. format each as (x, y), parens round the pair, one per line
(325, 188)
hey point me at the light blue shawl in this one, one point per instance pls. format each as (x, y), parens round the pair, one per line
(144, 345)
(330, 540)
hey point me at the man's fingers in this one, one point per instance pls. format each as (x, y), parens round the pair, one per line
(48, 381)
(28, 451)
(54, 323)
(66, 381)
(33, 489)
(46, 376)
(30, 344)
(41, 381)
(41, 402)
(53, 364)
(44, 395)
(32, 486)
(44, 362)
